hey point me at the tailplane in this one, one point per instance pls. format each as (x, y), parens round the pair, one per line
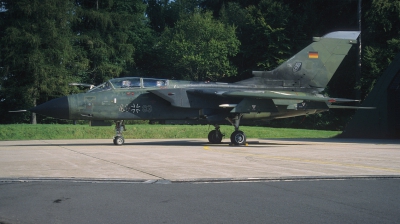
(312, 67)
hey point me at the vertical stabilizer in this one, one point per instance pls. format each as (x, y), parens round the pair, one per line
(314, 66)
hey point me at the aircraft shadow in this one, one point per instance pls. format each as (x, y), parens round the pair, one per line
(225, 143)
(336, 140)
(191, 143)
(131, 142)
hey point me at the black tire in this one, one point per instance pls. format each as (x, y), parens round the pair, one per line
(119, 140)
(215, 137)
(238, 138)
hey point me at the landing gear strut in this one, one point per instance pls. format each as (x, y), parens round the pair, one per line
(119, 128)
(237, 137)
(215, 136)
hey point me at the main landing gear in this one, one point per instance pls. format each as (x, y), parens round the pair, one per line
(119, 128)
(215, 136)
(237, 137)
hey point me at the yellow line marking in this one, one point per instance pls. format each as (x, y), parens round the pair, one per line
(296, 159)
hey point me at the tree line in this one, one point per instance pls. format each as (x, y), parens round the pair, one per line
(47, 44)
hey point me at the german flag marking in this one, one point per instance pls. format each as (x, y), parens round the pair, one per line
(312, 54)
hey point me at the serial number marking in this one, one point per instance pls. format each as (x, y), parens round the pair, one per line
(147, 108)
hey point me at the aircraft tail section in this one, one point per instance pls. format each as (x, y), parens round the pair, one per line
(312, 67)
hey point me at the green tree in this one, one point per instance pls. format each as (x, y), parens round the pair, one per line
(165, 13)
(109, 33)
(381, 40)
(262, 30)
(199, 47)
(37, 55)
(161, 14)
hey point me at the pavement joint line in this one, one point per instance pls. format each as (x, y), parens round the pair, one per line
(288, 178)
(104, 160)
(198, 181)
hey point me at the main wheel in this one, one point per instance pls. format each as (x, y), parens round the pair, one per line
(119, 140)
(215, 137)
(238, 138)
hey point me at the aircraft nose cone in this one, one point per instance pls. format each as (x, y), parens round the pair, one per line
(57, 108)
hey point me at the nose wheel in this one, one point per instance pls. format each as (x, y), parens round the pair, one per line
(118, 140)
(119, 128)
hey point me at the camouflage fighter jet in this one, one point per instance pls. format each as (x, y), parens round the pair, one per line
(292, 89)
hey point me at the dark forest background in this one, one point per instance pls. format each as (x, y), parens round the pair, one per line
(47, 44)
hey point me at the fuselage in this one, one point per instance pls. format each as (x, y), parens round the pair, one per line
(133, 98)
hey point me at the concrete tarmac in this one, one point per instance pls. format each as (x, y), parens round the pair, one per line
(192, 181)
(195, 160)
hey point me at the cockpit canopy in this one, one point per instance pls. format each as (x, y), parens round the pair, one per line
(130, 82)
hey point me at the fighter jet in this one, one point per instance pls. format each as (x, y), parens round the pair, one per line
(292, 89)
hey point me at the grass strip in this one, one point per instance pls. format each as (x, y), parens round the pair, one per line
(146, 131)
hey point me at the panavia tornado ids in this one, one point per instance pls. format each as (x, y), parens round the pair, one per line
(292, 89)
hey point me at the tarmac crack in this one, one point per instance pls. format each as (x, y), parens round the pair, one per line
(108, 161)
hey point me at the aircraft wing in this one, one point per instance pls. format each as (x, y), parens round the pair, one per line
(280, 95)
(350, 107)
(317, 102)
(251, 101)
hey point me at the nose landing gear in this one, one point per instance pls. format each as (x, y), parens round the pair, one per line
(119, 128)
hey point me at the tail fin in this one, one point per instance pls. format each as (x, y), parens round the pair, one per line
(314, 66)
